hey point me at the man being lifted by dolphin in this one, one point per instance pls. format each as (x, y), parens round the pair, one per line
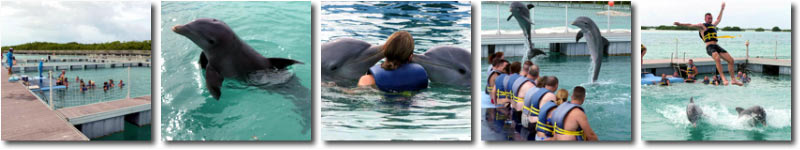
(522, 14)
(709, 35)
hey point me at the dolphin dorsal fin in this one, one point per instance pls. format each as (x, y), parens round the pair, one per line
(691, 100)
(282, 63)
(739, 109)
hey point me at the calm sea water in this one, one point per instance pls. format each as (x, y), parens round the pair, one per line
(551, 17)
(662, 44)
(281, 112)
(440, 112)
(664, 110)
(607, 104)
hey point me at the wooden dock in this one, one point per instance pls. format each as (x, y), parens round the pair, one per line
(99, 111)
(26, 118)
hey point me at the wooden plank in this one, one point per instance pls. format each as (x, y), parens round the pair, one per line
(26, 118)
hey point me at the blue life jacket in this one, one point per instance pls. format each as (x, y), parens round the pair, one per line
(488, 88)
(498, 85)
(41, 64)
(509, 83)
(545, 124)
(9, 58)
(515, 87)
(407, 77)
(558, 117)
(532, 100)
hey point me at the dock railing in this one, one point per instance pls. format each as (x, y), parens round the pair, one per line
(595, 11)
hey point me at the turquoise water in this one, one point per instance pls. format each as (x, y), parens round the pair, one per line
(661, 44)
(139, 85)
(131, 132)
(440, 112)
(607, 104)
(280, 112)
(664, 110)
(550, 17)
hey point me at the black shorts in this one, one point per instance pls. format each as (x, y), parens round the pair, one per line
(710, 49)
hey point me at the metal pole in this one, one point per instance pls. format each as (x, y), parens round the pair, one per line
(566, 18)
(676, 47)
(498, 19)
(129, 81)
(608, 14)
(50, 100)
(776, 49)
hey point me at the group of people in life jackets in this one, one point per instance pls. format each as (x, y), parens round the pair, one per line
(691, 76)
(536, 103)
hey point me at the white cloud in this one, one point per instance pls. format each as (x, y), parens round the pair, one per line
(74, 21)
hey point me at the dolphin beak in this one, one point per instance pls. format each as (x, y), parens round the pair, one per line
(178, 29)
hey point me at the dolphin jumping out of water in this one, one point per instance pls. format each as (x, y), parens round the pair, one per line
(522, 14)
(596, 43)
(447, 64)
(756, 115)
(347, 59)
(226, 56)
(693, 112)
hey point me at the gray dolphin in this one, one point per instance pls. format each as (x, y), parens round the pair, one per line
(596, 43)
(522, 14)
(347, 59)
(225, 55)
(693, 112)
(447, 64)
(756, 114)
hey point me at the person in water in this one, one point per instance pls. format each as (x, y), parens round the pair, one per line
(691, 71)
(525, 67)
(110, 83)
(528, 83)
(570, 121)
(739, 75)
(512, 89)
(534, 100)
(708, 34)
(492, 58)
(745, 78)
(83, 86)
(105, 86)
(501, 70)
(664, 80)
(397, 73)
(705, 80)
(544, 128)
(121, 84)
(716, 80)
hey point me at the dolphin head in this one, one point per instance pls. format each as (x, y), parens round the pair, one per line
(348, 59)
(586, 25)
(759, 115)
(447, 64)
(206, 33)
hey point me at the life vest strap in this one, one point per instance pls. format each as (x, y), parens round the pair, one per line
(567, 132)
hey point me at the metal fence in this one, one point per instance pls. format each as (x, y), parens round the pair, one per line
(71, 95)
(561, 14)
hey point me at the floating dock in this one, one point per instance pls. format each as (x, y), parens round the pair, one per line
(100, 119)
(564, 43)
(707, 65)
(80, 65)
(26, 118)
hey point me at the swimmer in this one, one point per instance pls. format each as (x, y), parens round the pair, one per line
(492, 58)
(544, 128)
(83, 86)
(664, 81)
(110, 83)
(397, 73)
(739, 75)
(708, 34)
(691, 71)
(105, 86)
(745, 78)
(705, 80)
(121, 84)
(500, 69)
(531, 75)
(570, 121)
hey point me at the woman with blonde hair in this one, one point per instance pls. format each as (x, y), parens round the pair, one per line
(544, 127)
(397, 73)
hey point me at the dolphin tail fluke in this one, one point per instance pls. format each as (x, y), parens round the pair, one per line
(535, 52)
(691, 100)
(214, 82)
(739, 109)
(282, 63)
(203, 60)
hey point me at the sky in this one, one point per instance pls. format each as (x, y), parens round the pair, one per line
(742, 13)
(74, 21)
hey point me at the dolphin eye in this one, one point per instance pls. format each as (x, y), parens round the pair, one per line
(334, 68)
(215, 20)
(462, 71)
(212, 42)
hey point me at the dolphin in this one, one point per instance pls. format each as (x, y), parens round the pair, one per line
(596, 43)
(755, 114)
(693, 112)
(522, 14)
(225, 55)
(447, 64)
(347, 59)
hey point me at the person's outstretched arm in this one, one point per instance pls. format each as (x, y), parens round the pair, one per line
(719, 17)
(698, 26)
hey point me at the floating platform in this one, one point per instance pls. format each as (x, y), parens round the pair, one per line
(88, 65)
(563, 43)
(707, 65)
(100, 119)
